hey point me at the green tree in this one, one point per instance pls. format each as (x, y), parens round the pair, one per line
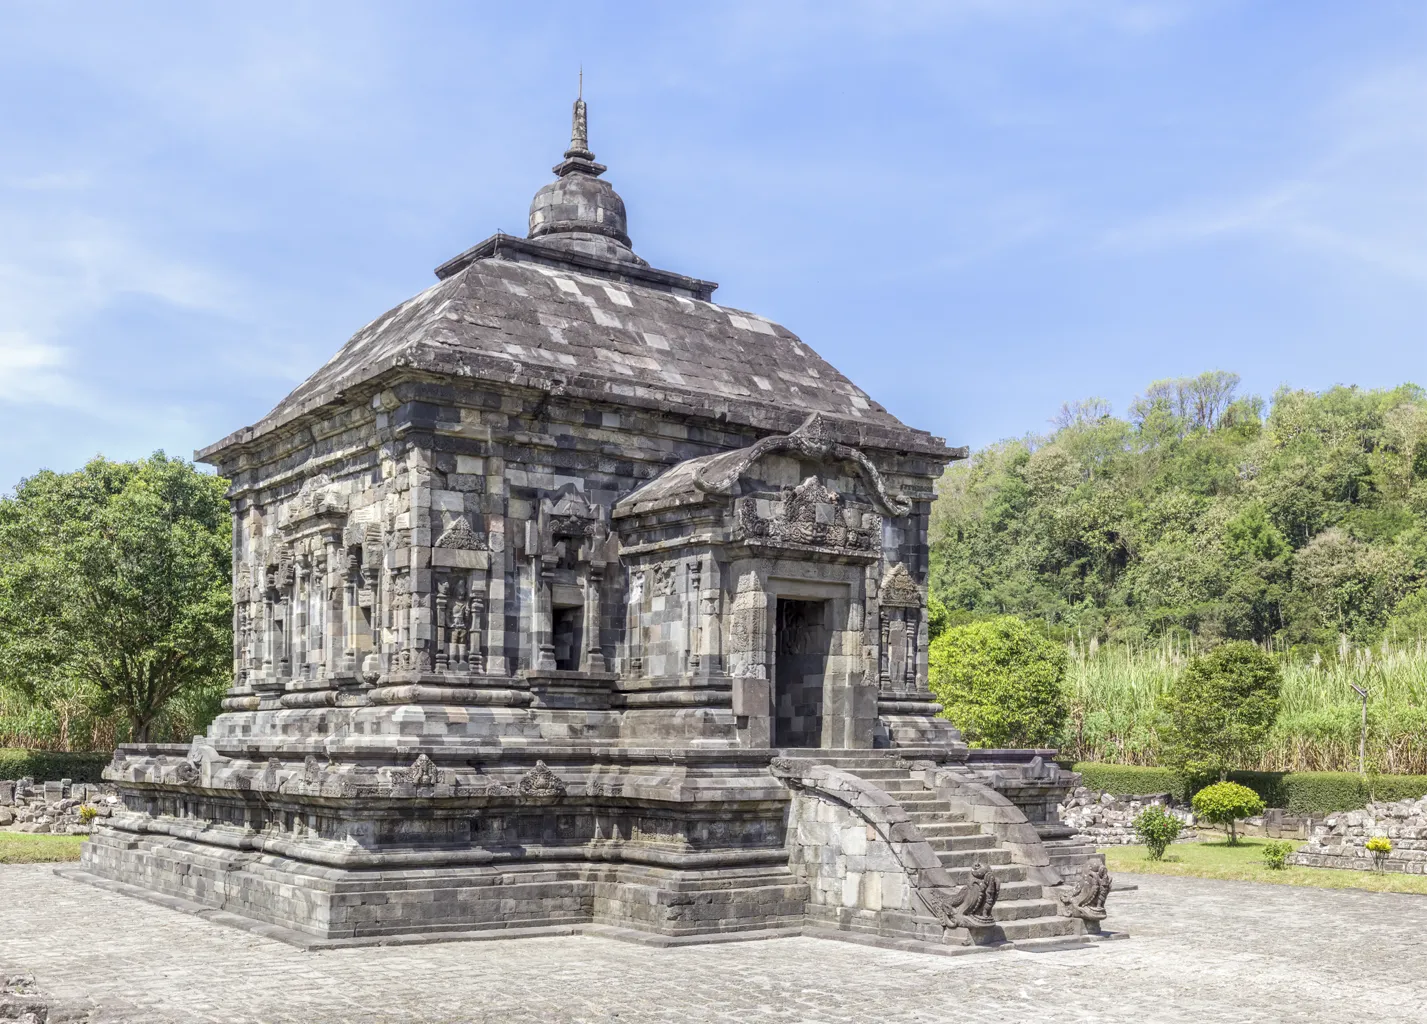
(938, 618)
(1217, 715)
(1001, 682)
(1199, 513)
(1224, 803)
(114, 588)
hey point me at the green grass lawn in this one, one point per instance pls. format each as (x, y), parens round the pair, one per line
(1244, 863)
(29, 848)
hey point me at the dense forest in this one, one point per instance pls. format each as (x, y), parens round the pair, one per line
(1203, 516)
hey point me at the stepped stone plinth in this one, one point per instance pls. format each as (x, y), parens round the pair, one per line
(566, 598)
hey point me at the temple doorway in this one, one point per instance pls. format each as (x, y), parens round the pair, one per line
(803, 641)
(566, 628)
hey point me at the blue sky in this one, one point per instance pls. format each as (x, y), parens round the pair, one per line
(977, 209)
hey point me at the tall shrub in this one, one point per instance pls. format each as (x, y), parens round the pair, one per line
(1001, 682)
(1218, 713)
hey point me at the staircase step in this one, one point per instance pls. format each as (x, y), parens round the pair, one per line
(919, 799)
(943, 829)
(1004, 873)
(948, 844)
(1040, 928)
(901, 786)
(992, 857)
(1020, 910)
(850, 763)
(1013, 892)
(939, 811)
(877, 774)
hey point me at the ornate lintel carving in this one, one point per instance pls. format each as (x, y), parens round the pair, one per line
(813, 440)
(461, 537)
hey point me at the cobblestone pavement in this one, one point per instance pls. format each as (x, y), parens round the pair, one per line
(1201, 952)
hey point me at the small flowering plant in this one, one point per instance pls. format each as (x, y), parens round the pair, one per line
(1379, 847)
(88, 813)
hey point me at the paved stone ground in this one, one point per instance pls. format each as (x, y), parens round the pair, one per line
(1201, 952)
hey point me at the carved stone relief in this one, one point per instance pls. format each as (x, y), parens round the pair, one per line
(809, 515)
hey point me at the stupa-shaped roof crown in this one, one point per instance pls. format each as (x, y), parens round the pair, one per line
(577, 210)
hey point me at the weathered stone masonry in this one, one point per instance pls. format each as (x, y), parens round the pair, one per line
(531, 583)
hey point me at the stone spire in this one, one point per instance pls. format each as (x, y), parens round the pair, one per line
(578, 211)
(578, 158)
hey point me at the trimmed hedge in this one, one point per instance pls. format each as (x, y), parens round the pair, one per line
(52, 765)
(1132, 780)
(1312, 793)
(1325, 792)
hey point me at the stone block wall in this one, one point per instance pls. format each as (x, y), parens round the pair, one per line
(847, 865)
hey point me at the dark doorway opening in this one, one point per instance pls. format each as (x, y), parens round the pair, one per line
(801, 659)
(568, 624)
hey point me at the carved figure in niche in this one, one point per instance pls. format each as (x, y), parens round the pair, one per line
(1087, 900)
(460, 620)
(282, 568)
(665, 576)
(311, 770)
(747, 629)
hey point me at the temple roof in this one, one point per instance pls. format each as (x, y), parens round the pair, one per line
(572, 310)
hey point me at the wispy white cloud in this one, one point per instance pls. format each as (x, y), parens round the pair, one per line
(1360, 195)
(60, 270)
(31, 371)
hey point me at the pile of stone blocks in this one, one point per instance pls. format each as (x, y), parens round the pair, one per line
(53, 807)
(1108, 819)
(1341, 840)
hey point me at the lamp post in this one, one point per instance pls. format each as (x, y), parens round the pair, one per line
(1363, 733)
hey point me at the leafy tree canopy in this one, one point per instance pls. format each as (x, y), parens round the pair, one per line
(1202, 513)
(1000, 682)
(114, 588)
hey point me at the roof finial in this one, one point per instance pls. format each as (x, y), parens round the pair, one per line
(579, 133)
(578, 157)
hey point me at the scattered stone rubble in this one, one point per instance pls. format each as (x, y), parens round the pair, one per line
(1340, 841)
(22, 1001)
(1108, 819)
(53, 807)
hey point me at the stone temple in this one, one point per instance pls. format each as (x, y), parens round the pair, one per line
(568, 599)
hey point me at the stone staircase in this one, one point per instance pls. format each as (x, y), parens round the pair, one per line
(1023, 912)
